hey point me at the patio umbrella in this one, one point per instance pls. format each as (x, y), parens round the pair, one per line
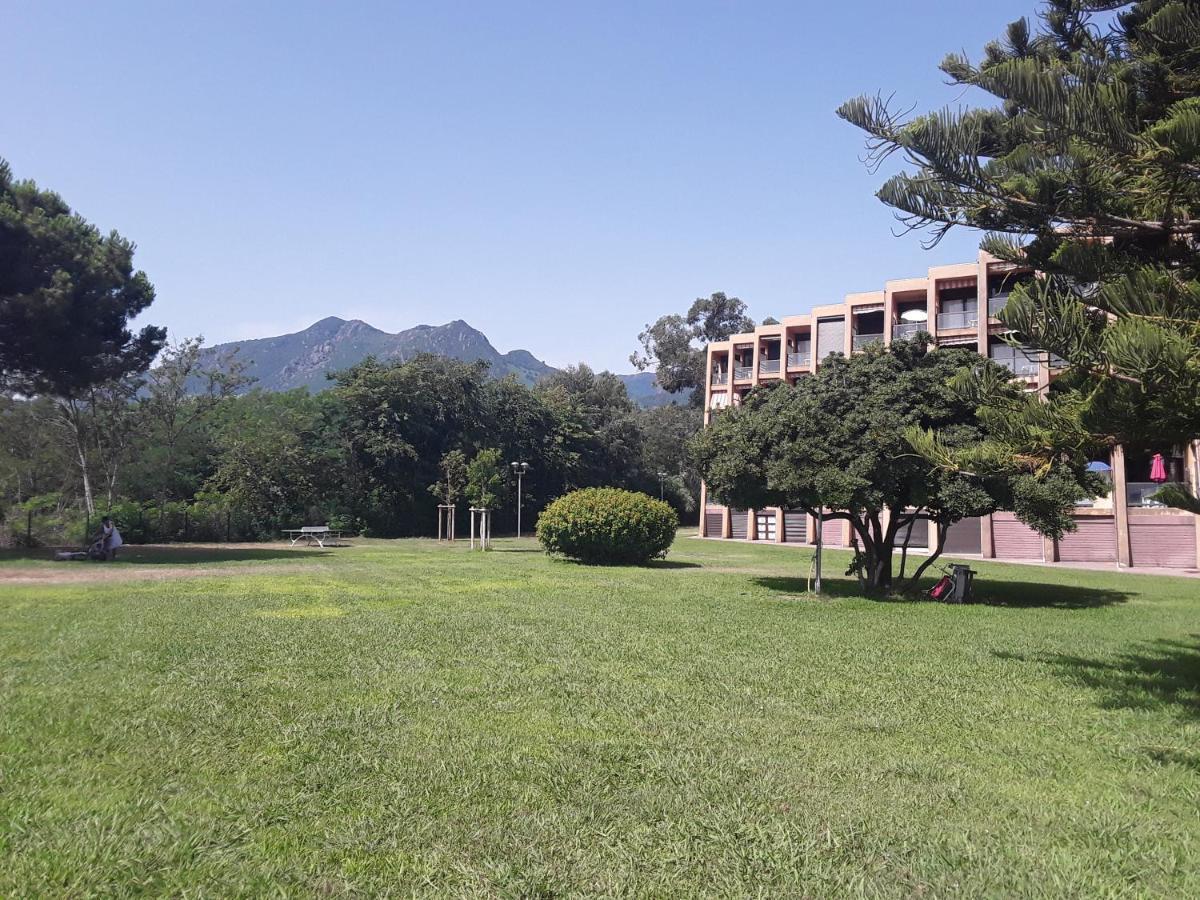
(1158, 469)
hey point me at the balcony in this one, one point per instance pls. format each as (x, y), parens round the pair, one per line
(720, 378)
(996, 303)
(768, 366)
(1021, 366)
(1139, 493)
(903, 330)
(799, 360)
(743, 373)
(966, 319)
(863, 341)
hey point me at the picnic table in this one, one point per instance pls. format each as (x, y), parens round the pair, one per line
(312, 534)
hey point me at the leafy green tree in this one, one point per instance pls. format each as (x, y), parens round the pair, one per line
(838, 442)
(667, 432)
(1087, 169)
(398, 421)
(597, 427)
(674, 345)
(485, 479)
(179, 396)
(450, 486)
(67, 294)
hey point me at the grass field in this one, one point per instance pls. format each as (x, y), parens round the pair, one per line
(403, 718)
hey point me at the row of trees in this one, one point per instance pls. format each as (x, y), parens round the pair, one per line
(363, 454)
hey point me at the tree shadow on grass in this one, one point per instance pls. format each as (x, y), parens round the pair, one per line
(1159, 675)
(991, 592)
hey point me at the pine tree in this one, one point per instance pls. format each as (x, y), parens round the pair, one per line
(1087, 170)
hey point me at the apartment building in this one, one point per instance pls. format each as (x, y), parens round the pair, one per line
(957, 305)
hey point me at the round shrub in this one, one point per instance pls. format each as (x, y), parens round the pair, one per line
(607, 525)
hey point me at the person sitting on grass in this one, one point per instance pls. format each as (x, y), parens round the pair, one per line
(105, 547)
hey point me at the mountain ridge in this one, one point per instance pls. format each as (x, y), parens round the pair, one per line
(303, 358)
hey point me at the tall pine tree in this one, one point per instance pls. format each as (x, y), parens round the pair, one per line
(1087, 169)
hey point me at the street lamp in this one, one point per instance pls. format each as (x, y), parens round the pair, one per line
(519, 469)
(662, 476)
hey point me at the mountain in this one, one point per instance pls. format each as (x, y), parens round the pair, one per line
(303, 358)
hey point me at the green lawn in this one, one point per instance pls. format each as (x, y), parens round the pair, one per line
(404, 718)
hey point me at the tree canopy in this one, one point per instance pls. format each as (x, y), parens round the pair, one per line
(836, 445)
(1087, 169)
(67, 295)
(674, 344)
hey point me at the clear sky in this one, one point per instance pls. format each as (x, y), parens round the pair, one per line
(557, 174)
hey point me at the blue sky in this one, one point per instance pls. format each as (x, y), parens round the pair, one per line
(556, 174)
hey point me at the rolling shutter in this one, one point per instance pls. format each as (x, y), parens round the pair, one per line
(795, 526)
(713, 523)
(1014, 539)
(1095, 541)
(737, 524)
(1163, 541)
(833, 532)
(918, 535)
(964, 537)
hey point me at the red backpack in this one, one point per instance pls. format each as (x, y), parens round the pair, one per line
(939, 590)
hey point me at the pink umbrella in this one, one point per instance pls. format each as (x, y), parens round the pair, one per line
(1158, 469)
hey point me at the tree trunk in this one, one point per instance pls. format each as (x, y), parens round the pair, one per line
(941, 542)
(71, 417)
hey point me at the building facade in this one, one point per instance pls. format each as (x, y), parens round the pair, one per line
(957, 305)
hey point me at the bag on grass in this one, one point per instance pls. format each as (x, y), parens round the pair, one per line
(942, 588)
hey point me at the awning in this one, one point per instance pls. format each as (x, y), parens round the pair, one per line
(866, 308)
(953, 284)
(958, 341)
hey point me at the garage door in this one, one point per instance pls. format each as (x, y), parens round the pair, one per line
(1015, 539)
(1095, 541)
(713, 522)
(918, 535)
(833, 533)
(964, 536)
(737, 524)
(795, 526)
(1163, 541)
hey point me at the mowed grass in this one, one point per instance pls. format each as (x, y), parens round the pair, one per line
(407, 718)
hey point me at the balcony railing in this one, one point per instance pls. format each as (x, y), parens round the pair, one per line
(720, 378)
(903, 330)
(768, 366)
(966, 319)
(1140, 492)
(1021, 366)
(996, 303)
(862, 341)
(799, 360)
(743, 373)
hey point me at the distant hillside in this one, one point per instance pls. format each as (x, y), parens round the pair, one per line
(302, 359)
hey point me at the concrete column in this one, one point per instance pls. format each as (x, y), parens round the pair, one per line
(987, 540)
(1191, 455)
(779, 525)
(981, 303)
(931, 305)
(848, 319)
(889, 315)
(1121, 506)
(725, 529)
(703, 510)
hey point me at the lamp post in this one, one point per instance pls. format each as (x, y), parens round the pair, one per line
(519, 469)
(662, 476)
